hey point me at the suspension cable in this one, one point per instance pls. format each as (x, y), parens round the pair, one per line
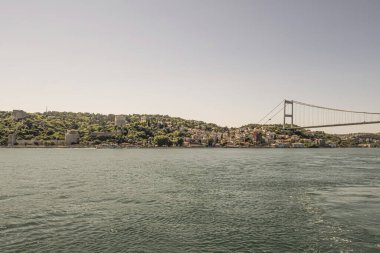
(271, 112)
(282, 108)
(332, 109)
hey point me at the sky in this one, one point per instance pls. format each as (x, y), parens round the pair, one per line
(226, 62)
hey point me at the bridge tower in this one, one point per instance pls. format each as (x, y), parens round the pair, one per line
(287, 113)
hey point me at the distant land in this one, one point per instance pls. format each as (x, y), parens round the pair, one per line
(68, 129)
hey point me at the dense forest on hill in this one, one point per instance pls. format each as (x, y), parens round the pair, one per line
(53, 126)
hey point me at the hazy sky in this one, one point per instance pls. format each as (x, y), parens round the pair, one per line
(227, 62)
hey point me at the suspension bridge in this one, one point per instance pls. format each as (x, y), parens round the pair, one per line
(297, 115)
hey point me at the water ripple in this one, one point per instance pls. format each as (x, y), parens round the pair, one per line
(209, 200)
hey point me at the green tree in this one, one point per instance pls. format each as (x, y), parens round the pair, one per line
(161, 140)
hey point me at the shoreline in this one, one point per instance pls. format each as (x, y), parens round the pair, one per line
(195, 147)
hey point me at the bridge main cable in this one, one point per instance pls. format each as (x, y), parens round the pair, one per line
(270, 113)
(333, 109)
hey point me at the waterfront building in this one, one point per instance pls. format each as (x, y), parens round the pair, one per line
(257, 137)
(11, 140)
(71, 137)
(282, 145)
(271, 135)
(295, 138)
(320, 142)
(298, 145)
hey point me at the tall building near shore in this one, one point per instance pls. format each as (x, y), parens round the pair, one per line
(120, 120)
(71, 137)
(257, 137)
(11, 140)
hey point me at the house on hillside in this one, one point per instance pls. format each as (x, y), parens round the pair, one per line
(120, 120)
(18, 114)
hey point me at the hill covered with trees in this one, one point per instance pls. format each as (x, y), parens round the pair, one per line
(98, 128)
(160, 130)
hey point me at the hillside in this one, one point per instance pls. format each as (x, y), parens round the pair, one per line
(98, 128)
(49, 129)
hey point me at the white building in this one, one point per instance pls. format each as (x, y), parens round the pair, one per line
(298, 145)
(11, 140)
(71, 137)
(119, 120)
(271, 135)
(18, 114)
